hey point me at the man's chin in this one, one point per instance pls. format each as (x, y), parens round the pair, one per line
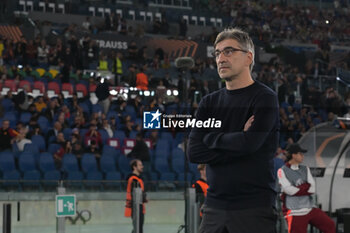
(227, 79)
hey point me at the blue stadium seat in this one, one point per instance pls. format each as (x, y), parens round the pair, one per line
(120, 135)
(107, 163)
(46, 162)
(11, 116)
(8, 105)
(32, 148)
(193, 167)
(67, 133)
(178, 165)
(108, 150)
(96, 108)
(75, 179)
(181, 179)
(31, 178)
(93, 179)
(177, 153)
(124, 165)
(104, 135)
(53, 148)
(7, 161)
(43, 123)
(161, 165)
(51, 178)
(88, 163)
(25, 117)
(113, 180)
(26, 162)
(11, 179)
(39, 141)
(163, 144)
(85, 107)
(70, 163)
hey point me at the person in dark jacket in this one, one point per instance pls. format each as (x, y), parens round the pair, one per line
(239, 145)
(102, 94)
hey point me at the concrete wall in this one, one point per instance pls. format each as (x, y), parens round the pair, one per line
(38, 209)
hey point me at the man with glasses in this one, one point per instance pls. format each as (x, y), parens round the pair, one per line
(297, 186)
(239, 155)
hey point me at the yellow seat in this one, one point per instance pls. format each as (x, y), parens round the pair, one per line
(41, 71)
(53, 72)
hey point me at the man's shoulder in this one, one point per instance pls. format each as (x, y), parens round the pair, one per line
(213, 95)
(264, 90)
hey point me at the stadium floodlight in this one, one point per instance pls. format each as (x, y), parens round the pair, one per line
(140, 93)
(113, 92)
(168, 92)
(152, 93)
(146, 93)
(175, 92)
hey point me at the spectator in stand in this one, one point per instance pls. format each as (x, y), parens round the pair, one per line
(7, 135)
(142, 80)
(113, 123)
(77, 146)
(183, 28)
(130, 79)
(1, 51)
(103, 96)
(53, 133)
(62, 120)
(140, 151)
(106, 126)
(164, 27)
(111, 22)
(93, 135)
(86, 24)
(43, 52)
(40, 104)
(52, 110)
(133, 50)
(157, 25)
(21, 140)
(94, 149)
(118, 68)
(128, 125)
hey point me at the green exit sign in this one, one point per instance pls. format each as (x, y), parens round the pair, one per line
(65, 205)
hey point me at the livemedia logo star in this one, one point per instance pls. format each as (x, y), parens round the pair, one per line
(151, 120)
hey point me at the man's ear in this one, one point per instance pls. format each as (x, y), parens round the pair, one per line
(249, 58)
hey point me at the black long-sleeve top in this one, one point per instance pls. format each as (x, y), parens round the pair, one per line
(240, 164)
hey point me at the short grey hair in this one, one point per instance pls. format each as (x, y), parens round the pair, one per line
(241, 37)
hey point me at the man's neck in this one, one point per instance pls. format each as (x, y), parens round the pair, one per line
(239, 82)
(136, 173)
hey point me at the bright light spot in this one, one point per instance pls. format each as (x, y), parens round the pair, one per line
(168, 92)
(147, 93)
(327, 21)
(113, 92)
(175, 92)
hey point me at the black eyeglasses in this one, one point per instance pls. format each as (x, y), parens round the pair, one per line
(228, 51)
